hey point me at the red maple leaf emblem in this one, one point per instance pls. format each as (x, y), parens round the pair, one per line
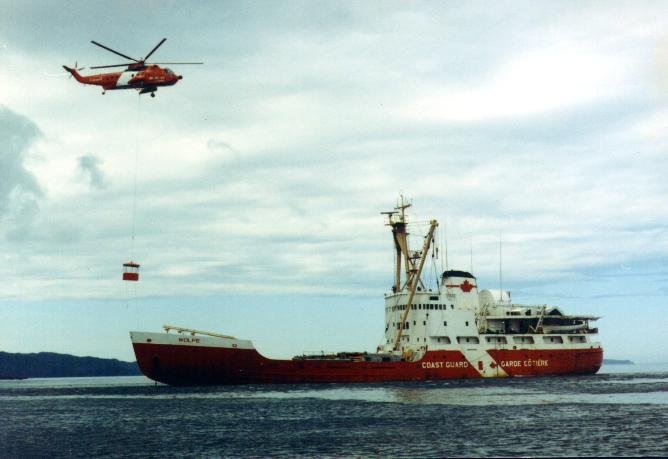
(466, 286)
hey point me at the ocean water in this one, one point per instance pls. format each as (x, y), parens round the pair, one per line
(622, 411)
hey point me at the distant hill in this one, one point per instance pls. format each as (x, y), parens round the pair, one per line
(617, 362)
(52, 365)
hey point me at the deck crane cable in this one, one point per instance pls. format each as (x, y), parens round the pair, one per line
(434, 262)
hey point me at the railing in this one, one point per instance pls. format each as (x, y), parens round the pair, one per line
(194, 332)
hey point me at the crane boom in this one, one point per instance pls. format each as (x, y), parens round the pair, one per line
(413, 280)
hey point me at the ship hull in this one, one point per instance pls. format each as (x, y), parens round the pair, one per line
(196, 363)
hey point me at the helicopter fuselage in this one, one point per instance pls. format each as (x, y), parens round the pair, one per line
(139, 74)
(145, 78)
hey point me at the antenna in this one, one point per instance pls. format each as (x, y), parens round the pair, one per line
(445, 237)
(500, 269)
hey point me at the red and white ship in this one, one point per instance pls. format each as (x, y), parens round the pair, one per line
(448, 332)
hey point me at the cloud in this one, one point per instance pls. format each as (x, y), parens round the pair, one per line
(295, 133)
(89, 167)
(19, 191)
(263, 172)
(533, 82)
(223, 150)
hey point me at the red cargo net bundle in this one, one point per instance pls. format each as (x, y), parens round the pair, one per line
(130, 271)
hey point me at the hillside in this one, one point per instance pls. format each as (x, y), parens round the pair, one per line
(617, 362)
(52, 365)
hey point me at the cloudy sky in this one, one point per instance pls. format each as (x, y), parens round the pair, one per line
(262, 174)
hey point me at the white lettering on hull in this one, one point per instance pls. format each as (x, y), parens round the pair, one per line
(429, 365)
(188, 340)
(525, 363)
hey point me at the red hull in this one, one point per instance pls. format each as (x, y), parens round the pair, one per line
(199, 365)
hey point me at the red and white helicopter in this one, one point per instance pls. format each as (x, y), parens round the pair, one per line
(139, 75)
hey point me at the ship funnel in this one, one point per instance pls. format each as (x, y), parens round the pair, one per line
(463, 286)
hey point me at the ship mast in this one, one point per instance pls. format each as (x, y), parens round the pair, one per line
(397, 220)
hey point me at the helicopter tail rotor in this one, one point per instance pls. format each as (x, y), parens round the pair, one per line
(75, 69)
(74, 72)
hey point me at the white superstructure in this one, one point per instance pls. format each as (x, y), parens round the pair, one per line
(455, 315)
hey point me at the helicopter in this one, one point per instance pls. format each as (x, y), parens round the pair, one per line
(139, 75)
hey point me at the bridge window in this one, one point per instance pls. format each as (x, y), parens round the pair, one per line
(523, 339)
(497, 339)
(553, 339)
(468, 339)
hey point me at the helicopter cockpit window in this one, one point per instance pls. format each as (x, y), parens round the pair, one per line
(169, 71)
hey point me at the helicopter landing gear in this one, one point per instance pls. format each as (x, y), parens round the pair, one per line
(152, 94)
(104, 92)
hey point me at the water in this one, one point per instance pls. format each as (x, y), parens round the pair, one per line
(622, 411)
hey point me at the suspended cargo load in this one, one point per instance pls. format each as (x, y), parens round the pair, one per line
(131, 271)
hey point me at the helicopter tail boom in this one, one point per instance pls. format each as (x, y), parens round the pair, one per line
(75, 74)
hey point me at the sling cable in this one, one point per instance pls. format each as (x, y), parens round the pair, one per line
(131, 268)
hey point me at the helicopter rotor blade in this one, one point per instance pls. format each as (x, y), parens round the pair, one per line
(113, 51)
(176, 63)
(108, 66)
(153, 50)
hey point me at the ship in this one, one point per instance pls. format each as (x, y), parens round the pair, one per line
(450, 330)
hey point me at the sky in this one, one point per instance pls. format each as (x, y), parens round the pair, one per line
(255, 184)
